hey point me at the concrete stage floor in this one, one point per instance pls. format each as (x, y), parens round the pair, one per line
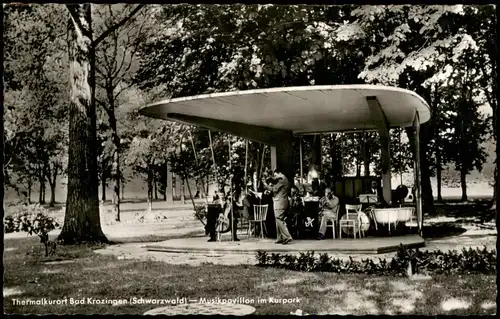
(369, 245)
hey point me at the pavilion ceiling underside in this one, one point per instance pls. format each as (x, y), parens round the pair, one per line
(300, 112)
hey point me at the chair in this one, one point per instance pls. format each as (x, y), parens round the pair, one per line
(259, 217)
(352, 219)
(334, 223)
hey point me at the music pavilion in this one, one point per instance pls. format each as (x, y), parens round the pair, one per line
(274, 116)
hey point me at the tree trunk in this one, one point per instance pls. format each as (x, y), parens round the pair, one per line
(41, 195)
(30, 185)
(44, 193)
(174, 186)
(122, 188)
(439, 170)
(495, 186)
(82, 221)
(366, 157)
(165, 181)
(183, 187)
(103, 186)
(115, 138)
(150, 190)
(463, 184)
(116, 182)
(334, 154)
(2, 150)
(497, 169)
(359, 154)
(52, 184)
(155, 184)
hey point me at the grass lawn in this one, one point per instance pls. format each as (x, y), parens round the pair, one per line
(90, 275)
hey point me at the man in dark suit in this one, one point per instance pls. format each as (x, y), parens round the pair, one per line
(376, 190)
(280, 190)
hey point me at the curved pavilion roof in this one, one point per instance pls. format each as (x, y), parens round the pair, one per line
(301, 110)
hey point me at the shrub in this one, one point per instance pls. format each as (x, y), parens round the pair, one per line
(437, 262)
(32, 219)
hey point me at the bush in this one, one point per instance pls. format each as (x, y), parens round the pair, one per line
(32, 219)
(437, 262)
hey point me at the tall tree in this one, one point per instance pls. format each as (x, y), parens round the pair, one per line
(82, 220)
(468, 126)
(2, 131)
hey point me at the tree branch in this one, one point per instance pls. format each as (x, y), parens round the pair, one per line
(73, 8)
(116, 26)
(101, 103)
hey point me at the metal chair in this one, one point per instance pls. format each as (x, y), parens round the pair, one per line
(352, 219)
(259, 217)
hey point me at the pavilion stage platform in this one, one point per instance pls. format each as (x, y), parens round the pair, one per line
(368, 245)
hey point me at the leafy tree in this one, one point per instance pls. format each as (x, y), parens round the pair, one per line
(411, 45)
(116, 65)
(467, 125)
(148, 149)
(36, 97)
(82, 222)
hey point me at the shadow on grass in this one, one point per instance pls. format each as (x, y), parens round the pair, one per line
(478, 212)
(442, 230)
(154, 238)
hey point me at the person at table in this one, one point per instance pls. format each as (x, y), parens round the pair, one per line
(329, 211)
(280, 190)
(317, 188)
(377, 190)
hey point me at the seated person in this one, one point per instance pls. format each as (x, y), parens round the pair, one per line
(329, 211)
(376, 190)
(247, 211)
(317, 188)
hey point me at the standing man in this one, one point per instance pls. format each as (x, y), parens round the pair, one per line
(280, 190)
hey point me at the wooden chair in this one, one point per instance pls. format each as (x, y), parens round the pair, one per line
(352, 219)
(334, 223)
(259, 217)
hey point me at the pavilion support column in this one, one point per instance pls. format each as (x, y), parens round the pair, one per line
(418, 186)
(383, 129)
(170, 182)
(282, 155)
